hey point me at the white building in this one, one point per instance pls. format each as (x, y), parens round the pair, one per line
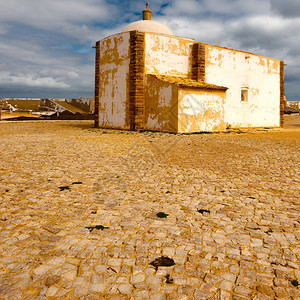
(147, 78)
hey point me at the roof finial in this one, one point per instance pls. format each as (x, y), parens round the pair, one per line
(147, 13)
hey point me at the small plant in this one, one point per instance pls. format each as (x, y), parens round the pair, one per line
(295, 282)
(169, 279)
(66, 187)
(161, 215)
(162, 261)
(202, 211)
(98, 227)
(77, 182)
(93, 212)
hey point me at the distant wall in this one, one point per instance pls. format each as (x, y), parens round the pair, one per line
(293, 104)
(48, 104)
(83, 103)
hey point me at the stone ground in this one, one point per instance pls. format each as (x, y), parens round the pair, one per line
(231, 199)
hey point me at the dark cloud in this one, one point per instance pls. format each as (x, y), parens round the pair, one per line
(286, 8)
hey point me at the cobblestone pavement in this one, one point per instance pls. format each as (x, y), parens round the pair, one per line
(79, 213)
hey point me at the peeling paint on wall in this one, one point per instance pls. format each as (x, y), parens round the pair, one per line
(167, 55)
(114, 73)
(201, 111)
(161, 111)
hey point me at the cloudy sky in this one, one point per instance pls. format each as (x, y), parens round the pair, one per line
(46, 45)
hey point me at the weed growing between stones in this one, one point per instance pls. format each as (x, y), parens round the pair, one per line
(161, 215)
(98, 227)
(295, 282)
(66, 187)
(201, 211)
(162, 261)
(169, 280)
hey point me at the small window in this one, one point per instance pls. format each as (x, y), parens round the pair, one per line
(244, 95)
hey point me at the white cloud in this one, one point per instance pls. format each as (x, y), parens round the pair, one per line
(31, 80)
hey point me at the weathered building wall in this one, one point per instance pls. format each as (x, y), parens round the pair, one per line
(114, 81)
(168, 55)
(161, 108)
(201, 110)
(258, 76)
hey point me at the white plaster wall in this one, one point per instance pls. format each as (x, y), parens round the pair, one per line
(236, 69)
(201, 111)
(114, 76)
(167, 55)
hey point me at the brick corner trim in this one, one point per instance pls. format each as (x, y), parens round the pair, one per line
(198, 62)
(281, 93)
(137, 80)
(97, 85)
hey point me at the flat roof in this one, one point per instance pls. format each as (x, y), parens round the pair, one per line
(188, 83)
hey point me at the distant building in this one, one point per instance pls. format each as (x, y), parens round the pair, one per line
(147, 78)
(21, 104)
(66, 106)
(293, 104)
